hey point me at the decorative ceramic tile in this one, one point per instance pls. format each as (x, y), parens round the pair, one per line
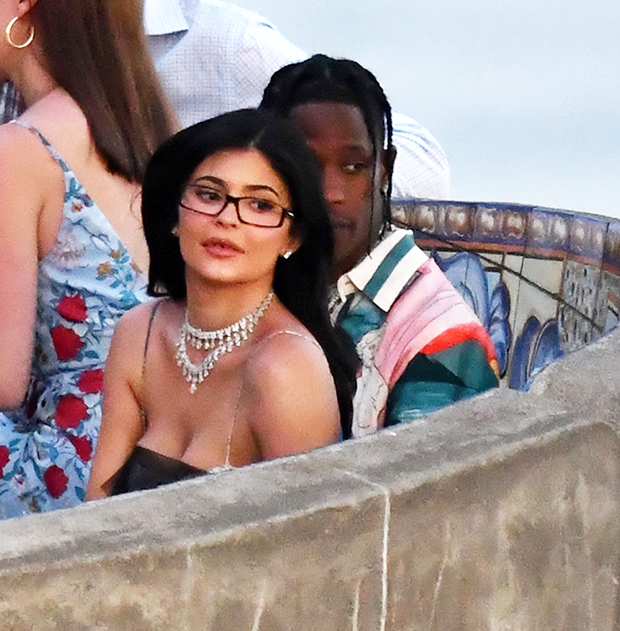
(587, 239)
(546, 274)
(491, 258)
(543, 281)
(548, 234)
(534, 322)
(611, 249)
(610, 286)
(582, 312)
(497, 229)
(511, 276)
(536, 340)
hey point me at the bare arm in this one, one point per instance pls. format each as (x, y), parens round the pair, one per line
(28, 181)
(289, 397)
(121, 427)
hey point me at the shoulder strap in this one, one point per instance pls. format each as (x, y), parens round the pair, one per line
(46, 143)
(146, 348)
(310, 339)
(148, 333)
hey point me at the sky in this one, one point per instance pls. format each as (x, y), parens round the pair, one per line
(524, 96)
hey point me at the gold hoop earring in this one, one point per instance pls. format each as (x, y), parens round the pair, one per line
(9, 39)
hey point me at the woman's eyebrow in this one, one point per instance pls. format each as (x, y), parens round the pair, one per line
(210, 178)
(248, 187)
(261, 187)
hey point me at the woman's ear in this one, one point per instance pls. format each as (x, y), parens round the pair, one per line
(23, 6)
(294, 243)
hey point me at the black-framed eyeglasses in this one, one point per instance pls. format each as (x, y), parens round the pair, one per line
(252, 210)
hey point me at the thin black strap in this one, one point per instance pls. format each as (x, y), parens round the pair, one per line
(148, 334)
(146, 348)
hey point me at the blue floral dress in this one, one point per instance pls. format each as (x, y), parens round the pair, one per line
(85, 284)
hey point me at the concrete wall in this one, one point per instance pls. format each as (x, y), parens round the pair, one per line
(498, 513)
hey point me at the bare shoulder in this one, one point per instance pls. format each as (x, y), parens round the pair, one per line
(288, 369)
(19, 147)
(60, 119)
(289, 397)
(30, 179)
(13, 133)
(126, 357)
(29, 172)
(287, 355)
(130, 335)
(134, 324)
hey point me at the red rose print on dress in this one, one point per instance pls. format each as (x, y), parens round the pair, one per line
(70, 411)
(72, 308)
(55, 481)
(91, 381)
(66, 342)
(83, 448)
(4, 458)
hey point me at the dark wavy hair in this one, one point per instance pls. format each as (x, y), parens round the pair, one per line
(322, 79)
(96, 51)
(300, 282)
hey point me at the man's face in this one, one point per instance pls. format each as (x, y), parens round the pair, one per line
(338, 135)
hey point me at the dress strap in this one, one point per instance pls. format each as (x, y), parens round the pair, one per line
(146, 348)
(310, 339)
(148, 333)
(46, 143)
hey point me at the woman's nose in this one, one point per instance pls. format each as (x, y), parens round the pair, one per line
(230, 213)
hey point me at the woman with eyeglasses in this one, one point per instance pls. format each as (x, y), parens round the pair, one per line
(238, 362)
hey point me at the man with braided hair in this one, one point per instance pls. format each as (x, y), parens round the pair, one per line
(213, 57)
(421, 347)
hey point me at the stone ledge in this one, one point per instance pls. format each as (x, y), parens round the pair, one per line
(446, 526)
(499, 512)
(343, 474)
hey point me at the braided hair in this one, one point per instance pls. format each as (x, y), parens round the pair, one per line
(323, 79)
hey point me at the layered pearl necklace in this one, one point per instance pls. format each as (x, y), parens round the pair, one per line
(216, 343)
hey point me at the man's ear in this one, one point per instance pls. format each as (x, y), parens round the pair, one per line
(388, 157)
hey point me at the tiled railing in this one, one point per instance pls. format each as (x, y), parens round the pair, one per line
(544, 282)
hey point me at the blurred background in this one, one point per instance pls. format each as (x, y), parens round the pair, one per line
(523, 95)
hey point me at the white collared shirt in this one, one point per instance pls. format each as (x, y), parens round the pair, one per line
(214, 57)
(163, 17)
(383, 274)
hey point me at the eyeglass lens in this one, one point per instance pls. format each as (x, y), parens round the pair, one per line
(258, 211)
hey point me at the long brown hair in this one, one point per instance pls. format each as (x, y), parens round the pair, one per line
(96, 51)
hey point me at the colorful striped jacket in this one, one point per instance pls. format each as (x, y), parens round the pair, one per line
(421, 346)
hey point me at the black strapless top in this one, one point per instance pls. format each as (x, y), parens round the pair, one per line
(147, 469)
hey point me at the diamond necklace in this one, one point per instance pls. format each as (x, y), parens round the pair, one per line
(217, 343)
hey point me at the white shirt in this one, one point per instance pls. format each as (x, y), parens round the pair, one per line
(213, 57)
(162, 17)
